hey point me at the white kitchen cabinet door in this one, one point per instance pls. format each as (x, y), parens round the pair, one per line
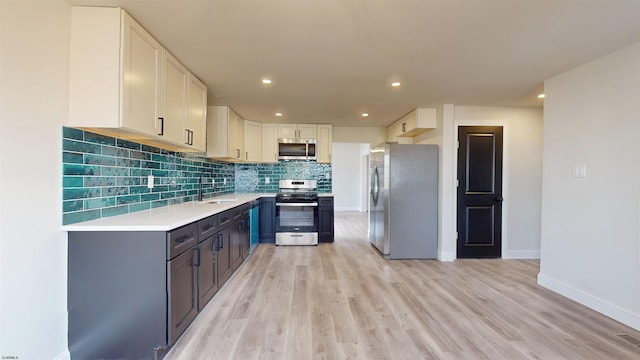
(141, 83)
(174, 100)
(297, 131)
(325, 142)
(252, 141)
(269, 143)
(287, 131)
(236, 143)
(307, 131)
(225, 134)
(196, 125)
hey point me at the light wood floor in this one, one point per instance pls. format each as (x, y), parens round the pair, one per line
(343, 301)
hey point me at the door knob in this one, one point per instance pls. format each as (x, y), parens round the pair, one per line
(499, 199)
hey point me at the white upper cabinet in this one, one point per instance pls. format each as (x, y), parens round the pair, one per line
(174, 100)
(325, 143)
(270, 143)
(123, 83)
(141, 68)
(225, 134)
(196, 125)
(113, 86)
(252, 141)
(297, 130)
(412, 124)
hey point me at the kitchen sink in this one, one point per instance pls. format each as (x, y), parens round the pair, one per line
(217, 201)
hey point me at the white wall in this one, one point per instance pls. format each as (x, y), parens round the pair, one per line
(33, 250)
(369, 135)
(522, 173)
(591, 226)
(349, 178)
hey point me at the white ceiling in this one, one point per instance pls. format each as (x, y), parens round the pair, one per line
(331, 60)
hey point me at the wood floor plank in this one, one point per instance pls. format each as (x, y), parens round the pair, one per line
(342, 300)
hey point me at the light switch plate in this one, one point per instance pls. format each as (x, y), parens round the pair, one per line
(150, 182)
(579, 171)
(267, 180)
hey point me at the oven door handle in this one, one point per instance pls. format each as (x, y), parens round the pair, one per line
(297, 204)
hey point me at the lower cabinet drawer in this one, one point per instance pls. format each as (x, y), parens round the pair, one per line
(181, 239)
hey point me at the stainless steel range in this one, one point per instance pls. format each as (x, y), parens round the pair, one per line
(297, 212)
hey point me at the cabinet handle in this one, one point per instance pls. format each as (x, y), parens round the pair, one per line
(197, 253)
(404, 127)
(187, 141)
(161, 126)
(220, 241)
(237, 153)
(184, 238)
(206, 228)
(246, 155)
(191, 141)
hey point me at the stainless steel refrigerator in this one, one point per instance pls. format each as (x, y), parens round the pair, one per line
(403, 200)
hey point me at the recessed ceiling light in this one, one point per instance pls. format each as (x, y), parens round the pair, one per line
(365, 114)
(395, 84)
(541, 96)
(266, 81)
(278, 114)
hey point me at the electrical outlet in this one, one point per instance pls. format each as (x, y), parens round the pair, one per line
(150, 181)
(267, 180)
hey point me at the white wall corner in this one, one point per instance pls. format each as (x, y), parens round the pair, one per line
(600, 305)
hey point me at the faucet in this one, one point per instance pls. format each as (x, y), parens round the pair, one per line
(200, 192)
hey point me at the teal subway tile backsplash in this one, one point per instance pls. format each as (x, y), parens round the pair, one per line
(104, 176)
(251, 177)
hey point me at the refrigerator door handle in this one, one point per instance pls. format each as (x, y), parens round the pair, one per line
(375, 186)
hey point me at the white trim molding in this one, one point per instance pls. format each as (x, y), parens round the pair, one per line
(505, 173)
(611, 310)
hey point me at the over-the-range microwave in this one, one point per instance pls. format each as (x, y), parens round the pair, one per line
(296, 149)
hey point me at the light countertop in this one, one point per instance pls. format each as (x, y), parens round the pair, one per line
(165, 218)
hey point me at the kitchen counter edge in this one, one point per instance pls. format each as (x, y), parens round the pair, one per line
(165, 218)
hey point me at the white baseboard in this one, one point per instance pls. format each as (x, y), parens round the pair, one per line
(522, 254)
(600, 305)
(446, 256)
(65, 355)
(347, 208)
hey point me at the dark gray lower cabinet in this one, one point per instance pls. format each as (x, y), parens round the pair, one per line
(183, 292)
(325, 219)
(225, 265)
(268, 220)
(207, 270)
(117, 295)
(131, 294)
(207, 260)
(246, 233)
